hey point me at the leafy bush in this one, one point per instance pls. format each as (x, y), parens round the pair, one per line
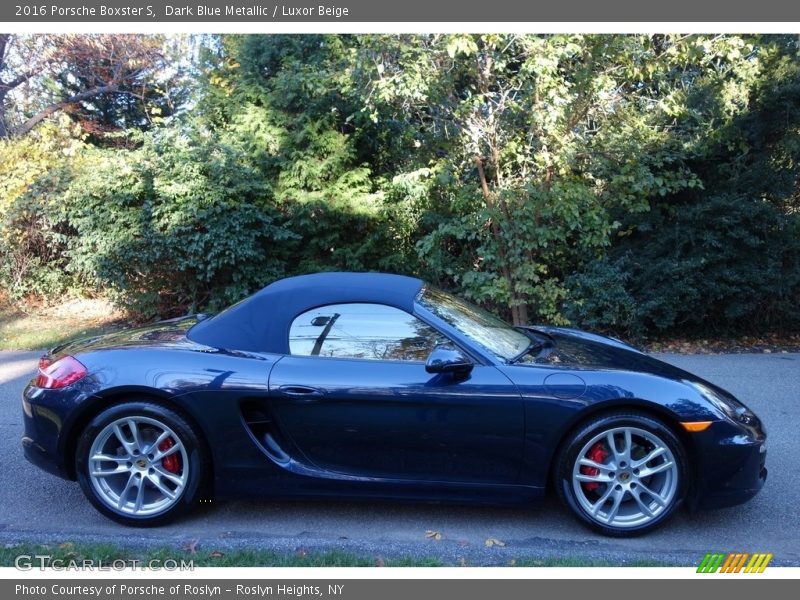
(722, 264)
(180, 223)
(599, 299)
(34, 173)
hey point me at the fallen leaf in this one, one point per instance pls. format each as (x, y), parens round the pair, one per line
(493, 542)
(301, 552)
(191, 547)
(379, 562)
(216, 554)
(433, 535)
(67, 546)
(462, 562)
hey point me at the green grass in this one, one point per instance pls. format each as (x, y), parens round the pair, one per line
(28, 328)
(203, 557)
(209, 557)
(573, 561)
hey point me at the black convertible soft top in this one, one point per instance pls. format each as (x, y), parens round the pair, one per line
(260, 323)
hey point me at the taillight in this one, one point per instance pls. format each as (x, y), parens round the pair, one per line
(60, 373)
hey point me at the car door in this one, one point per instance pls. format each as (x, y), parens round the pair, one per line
(355, 398)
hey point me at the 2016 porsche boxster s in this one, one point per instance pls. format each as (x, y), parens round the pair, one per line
(377, 385)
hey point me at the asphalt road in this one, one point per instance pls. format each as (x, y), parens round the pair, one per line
(35, 506)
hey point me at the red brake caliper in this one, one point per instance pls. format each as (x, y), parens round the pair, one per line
(171, 463)
(598, 454)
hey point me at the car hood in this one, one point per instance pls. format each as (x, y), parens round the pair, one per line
(573, 347)
(171, 332)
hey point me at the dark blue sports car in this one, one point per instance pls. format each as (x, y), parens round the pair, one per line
(373, 385)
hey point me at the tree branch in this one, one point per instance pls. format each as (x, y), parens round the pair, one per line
(4, 37)
(56, 106)
(17, 81)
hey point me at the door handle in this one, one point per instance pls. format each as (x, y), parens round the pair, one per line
(300, 391)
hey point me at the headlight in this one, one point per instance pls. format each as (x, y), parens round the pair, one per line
(729, 405)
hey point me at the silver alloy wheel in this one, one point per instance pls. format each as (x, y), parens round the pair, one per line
(126, 468)
(633, 485)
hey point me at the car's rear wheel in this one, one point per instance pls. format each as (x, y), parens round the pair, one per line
(622, 474)
(141, 463)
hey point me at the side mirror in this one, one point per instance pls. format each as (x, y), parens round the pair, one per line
(446, 359)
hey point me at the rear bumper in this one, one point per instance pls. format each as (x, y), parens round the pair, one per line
(37, 455)
(43, 418)
(730, 465)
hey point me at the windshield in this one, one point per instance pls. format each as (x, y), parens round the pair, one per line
(481, 326)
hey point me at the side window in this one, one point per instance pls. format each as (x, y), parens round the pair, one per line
(367, 331)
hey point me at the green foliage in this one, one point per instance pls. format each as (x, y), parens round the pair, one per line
(296, 121)
(598, 299)
(727, 263)
(627, 183)
(181, 222)
(33, 240)
(724, 256)
(545, 138)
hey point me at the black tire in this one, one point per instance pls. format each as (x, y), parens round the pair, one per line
(194, 452)
(584, 435)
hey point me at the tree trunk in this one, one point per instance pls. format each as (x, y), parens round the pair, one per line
(522, 315)
(4, 133)
(519, 310)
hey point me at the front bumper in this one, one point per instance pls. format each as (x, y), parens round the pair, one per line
(730, 464)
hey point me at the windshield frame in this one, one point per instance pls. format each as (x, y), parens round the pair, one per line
(425, 310)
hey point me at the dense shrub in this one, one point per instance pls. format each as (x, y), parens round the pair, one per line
(179, 223)
(35, 172)
(599, 299)
(728, 263)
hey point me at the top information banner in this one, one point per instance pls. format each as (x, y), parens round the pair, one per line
(366, 11)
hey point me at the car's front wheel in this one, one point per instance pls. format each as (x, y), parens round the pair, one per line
(623, 473)
(141, 463)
